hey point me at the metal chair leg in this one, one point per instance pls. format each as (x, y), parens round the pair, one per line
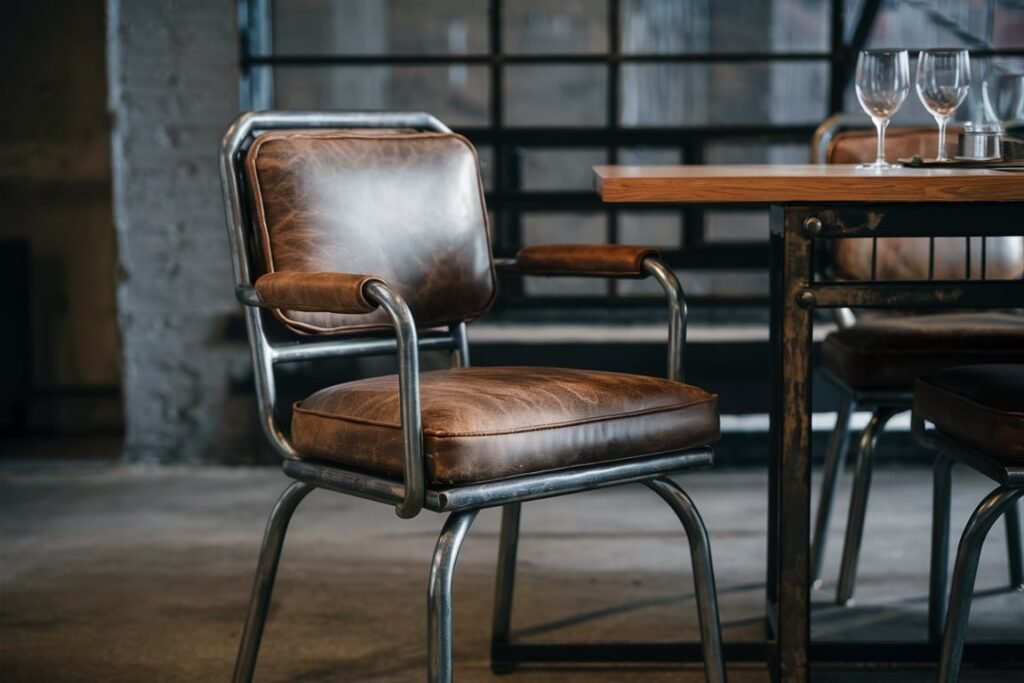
(1014, 543)
(835, 461)
(504, 586)
(938, 577)
(703, 575)
(964, 574)
(859, 502)
(439, 595)
(266, 572)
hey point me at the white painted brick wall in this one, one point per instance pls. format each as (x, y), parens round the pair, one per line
(173, 74)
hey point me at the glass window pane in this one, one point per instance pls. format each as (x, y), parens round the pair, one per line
(457, 94)
(704, 283)
(372, 27)
(559, 169)
(1008, 24)
(552, 27)
(672, 94)
(561, 228)
(650, 156)
(753, 152)
(659, 229)
(746, 225)
(486, 155)
(722, 26)
(555, 95)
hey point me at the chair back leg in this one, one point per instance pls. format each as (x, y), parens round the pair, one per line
(504, 585)
(938, 575)
(835, 462)
(266, 572)
(964, 573)
(1015, 547)
(703, 575)
(439, 595)
(859, 502)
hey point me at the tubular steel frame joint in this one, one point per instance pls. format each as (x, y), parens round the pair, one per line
(805, 298)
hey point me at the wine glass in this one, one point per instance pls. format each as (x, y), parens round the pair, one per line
(883, 81)
(943, 78)
(1003, 98)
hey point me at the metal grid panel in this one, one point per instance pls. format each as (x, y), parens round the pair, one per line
(507, 198)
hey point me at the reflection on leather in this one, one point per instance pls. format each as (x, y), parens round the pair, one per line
(407, 208)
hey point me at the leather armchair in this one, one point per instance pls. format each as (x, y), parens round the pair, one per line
(366, 234)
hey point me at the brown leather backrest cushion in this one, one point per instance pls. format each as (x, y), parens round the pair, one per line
(906, 258)
(405, 207)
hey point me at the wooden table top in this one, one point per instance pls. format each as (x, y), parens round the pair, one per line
(789, 183)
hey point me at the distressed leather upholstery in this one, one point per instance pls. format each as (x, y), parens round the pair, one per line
(906, 258)
(329, 292)
(590, 260)
(890, 352)
(403, 207)
(980, 405)
(487, 423)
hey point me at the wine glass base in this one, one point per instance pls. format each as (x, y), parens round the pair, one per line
(879, 165)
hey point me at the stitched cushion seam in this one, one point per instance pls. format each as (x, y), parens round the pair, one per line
(523, 430)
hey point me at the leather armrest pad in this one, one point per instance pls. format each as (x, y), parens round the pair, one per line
(301, 291)
(588, 260)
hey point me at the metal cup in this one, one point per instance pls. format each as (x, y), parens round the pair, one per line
(981, 143)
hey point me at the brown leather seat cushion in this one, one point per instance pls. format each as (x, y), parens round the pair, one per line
(981, 405)
(890, 352)
(487, 423)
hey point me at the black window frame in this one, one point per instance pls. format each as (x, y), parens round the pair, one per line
(507, 201)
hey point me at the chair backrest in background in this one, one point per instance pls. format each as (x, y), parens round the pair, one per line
(916, 258)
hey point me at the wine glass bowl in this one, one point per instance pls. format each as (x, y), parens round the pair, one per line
(882, 84)
(943, 79)
(1002, 96)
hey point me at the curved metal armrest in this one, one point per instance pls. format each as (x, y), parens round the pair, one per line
(676, 314)
(373, 293)
(615, 261)
(408, 392)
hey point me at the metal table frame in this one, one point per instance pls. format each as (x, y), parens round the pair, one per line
(795, 295)
(796, 232)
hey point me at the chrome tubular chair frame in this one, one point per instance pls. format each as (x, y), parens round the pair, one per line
(411, 494)
(950, 608)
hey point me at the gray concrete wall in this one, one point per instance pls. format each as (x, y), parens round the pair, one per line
(173, 77)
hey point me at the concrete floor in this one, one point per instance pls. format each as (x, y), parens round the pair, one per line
(114, 573)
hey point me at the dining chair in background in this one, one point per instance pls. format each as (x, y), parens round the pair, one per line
(978, 417)
(366, 234)
(874, 358)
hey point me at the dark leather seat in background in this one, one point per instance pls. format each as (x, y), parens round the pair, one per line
(981, 405)
(888, 353)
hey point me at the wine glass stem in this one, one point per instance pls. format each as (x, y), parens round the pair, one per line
(881, 124)
(941, 156)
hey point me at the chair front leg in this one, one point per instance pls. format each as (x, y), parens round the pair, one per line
(835, 461)
(859, 502)
(505, 582)
(703, 575)
(439, 595)
(1015, 547)
(266, 572)
(938, 576)
(964, 574)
